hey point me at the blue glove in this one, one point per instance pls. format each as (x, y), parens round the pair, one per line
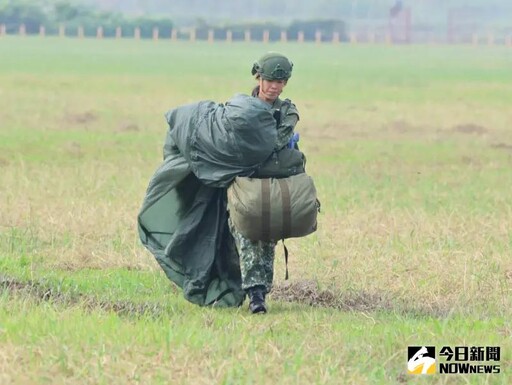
(294, 140)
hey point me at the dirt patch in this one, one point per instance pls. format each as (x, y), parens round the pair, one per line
(4, 162)
(307, 292)
(128, 127)
(303, 292)
(81, 118)
(470, 161)
(401, 127)
(499, 146)
(86, 261)
(12, 285)
(42, 293)
(33, 290)
(470, 129)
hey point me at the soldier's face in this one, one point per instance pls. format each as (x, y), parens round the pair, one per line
(270, 89)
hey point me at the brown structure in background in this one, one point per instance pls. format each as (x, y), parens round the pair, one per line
(462, 25)
(284, 37)
(399, 24)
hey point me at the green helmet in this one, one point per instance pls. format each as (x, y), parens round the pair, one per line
(273, 66)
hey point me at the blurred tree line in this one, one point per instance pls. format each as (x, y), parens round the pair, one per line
(52, 14)
(285, 11)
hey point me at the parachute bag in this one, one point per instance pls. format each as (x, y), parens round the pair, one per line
(271, 209)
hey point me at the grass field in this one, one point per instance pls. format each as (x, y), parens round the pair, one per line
(411, 152)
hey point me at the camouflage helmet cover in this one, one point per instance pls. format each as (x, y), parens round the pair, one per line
(273, 66)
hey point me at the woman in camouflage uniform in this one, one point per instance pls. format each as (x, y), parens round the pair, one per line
(272, 72)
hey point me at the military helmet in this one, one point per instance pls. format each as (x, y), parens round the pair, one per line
(273, 66)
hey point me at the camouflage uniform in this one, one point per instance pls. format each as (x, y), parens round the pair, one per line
(256, 260)
(257, 257)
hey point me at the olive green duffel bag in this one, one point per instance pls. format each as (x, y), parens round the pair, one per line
(272, 209)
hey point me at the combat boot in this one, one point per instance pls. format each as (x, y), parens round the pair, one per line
(257, 299)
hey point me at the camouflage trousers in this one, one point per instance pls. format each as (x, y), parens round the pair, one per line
(256, 260)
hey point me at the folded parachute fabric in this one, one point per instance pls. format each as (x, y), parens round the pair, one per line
(183, 218)
(222, 141)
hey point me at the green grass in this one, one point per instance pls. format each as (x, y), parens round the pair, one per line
(410, 148)
(226, 347)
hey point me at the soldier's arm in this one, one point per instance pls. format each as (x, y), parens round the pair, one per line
(288, 118)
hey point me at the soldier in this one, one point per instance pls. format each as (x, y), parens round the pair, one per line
(272, 72)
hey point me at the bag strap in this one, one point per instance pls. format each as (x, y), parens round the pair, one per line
(265, 214)
(287, 219)
(265, 209)
(287, 211)
(285, 260)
